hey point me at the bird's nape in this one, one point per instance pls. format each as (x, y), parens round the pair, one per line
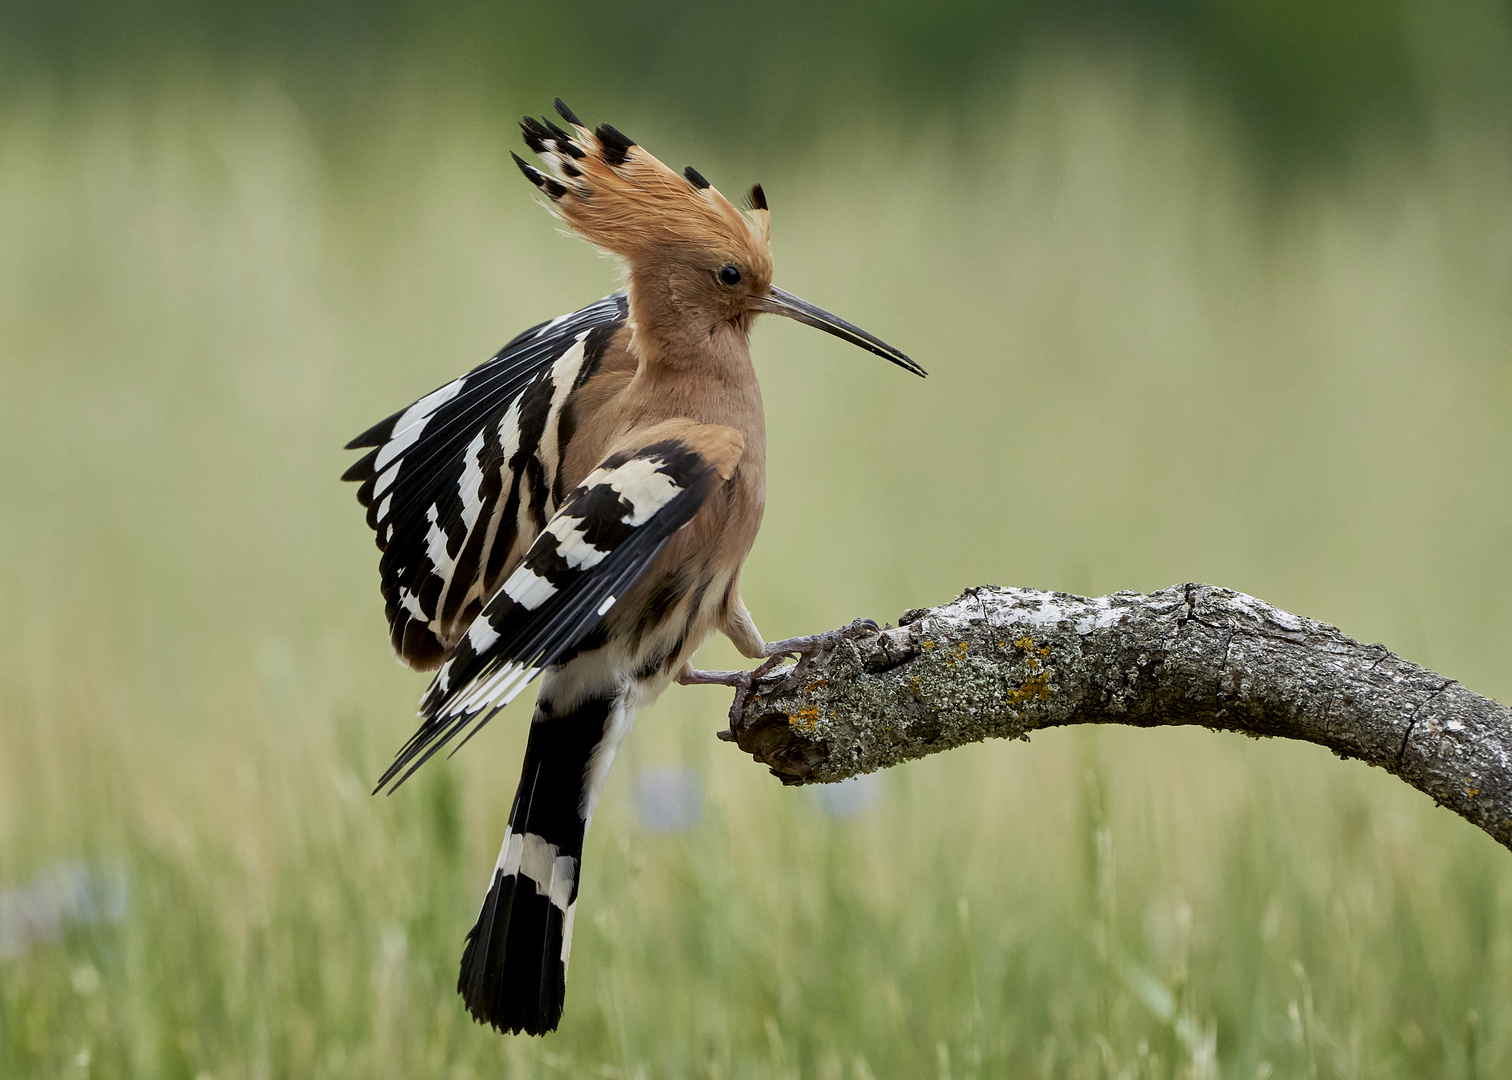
(781, 302)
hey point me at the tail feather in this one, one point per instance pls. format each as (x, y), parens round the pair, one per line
(514, 967)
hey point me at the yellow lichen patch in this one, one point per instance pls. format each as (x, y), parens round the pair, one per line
(805, 719)
(927, 644)
(1035, 688)
(1471, 791)
(1025, 642)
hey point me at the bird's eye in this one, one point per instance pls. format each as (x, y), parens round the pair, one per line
(729, 275)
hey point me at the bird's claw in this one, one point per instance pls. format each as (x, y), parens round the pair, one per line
(742, 681)
(812, 643)
(805, 648)
(808, 647)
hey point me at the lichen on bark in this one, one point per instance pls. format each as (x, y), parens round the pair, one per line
(1002, 662)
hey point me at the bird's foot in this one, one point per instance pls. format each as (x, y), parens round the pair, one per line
(805, 648)
(809, 647)
(742, 681)
(811, 644)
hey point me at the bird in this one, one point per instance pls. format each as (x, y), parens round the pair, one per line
(578, 508)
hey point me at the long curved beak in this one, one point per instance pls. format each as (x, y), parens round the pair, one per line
(781, 302)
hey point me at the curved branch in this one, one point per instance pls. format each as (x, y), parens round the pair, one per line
(1001, 663)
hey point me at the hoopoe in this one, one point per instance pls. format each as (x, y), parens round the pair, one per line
(578, 507)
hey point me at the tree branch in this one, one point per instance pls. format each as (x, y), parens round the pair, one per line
(1001, 663)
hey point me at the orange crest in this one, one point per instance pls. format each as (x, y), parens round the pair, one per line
(628, 203)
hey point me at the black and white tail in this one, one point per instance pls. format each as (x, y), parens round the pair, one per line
(514, 969)
(548, 619)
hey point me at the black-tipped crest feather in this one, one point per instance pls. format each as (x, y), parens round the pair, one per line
(535, 133)
(616, 143)
(554, 188)
(532, 174)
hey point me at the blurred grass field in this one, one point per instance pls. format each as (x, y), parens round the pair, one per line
(1146, 368)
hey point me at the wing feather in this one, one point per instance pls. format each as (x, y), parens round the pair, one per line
(442, 479)
(608, 531)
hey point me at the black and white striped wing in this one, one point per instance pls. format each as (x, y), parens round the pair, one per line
(607, 532)
(456, 481)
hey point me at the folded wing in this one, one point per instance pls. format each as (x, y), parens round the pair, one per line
(458, 482)
(607, 532)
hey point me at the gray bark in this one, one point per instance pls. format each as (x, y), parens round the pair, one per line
(1001, 663)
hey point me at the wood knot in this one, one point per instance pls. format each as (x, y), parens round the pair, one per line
(774, 740)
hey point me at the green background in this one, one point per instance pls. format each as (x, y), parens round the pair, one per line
(1207, 291)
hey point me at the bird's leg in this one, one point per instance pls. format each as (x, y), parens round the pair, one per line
(741, 630)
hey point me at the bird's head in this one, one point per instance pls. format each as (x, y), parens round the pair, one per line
(700, 267)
